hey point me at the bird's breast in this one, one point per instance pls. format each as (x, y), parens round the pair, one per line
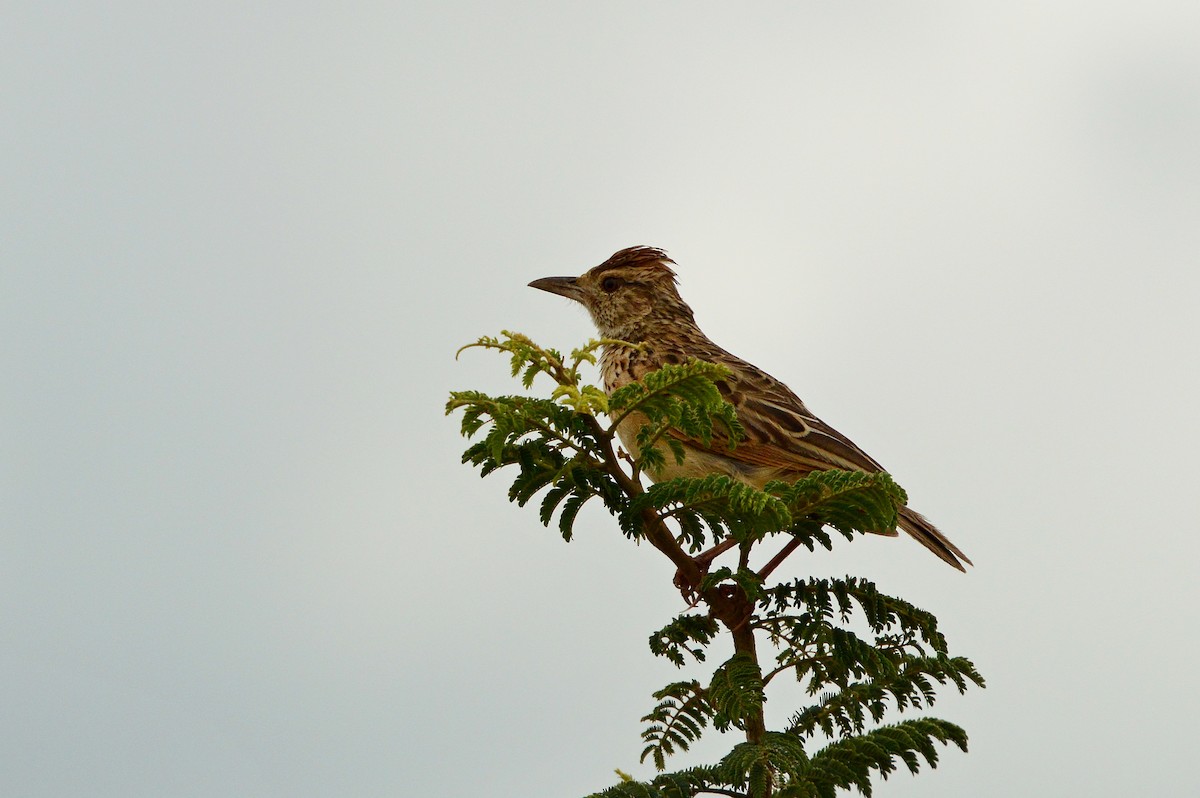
(616, 368)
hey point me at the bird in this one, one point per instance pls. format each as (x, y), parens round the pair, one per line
(633, 297)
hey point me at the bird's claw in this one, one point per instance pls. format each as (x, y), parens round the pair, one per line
(688, 589)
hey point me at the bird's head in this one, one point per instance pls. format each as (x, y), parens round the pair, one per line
(629, 296)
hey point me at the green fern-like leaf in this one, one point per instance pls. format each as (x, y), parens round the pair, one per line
(685, 783)
(681, 784)
(748, 581)
(759, 766)
(555, 448)
(630, 789)
(736, 692)
(827, 599)
(677, 721)
(711, 508)
(909, 686)
(850, 762)
(687, 634)
(848, 501)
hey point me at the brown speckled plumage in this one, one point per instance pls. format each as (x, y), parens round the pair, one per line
(632, 297)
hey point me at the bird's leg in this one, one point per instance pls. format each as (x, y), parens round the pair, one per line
(788, 548)
(705, 558)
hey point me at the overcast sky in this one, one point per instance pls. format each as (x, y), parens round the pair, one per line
(240, 244)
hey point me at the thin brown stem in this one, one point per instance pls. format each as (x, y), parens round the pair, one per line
(788, 548)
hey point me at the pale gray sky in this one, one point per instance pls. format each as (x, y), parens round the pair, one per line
(241, 243)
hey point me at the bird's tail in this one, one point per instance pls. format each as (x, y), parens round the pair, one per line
(919, 527)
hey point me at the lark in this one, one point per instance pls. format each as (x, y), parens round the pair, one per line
(633, 297)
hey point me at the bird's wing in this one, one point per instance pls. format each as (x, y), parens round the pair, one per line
(780, 432)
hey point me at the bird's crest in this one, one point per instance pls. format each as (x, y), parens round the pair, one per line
(649, 257)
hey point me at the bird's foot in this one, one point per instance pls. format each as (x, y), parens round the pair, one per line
(704, 561)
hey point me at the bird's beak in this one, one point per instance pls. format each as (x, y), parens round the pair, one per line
(563, 286)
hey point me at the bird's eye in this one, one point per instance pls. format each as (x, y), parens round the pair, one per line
(609, 284)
